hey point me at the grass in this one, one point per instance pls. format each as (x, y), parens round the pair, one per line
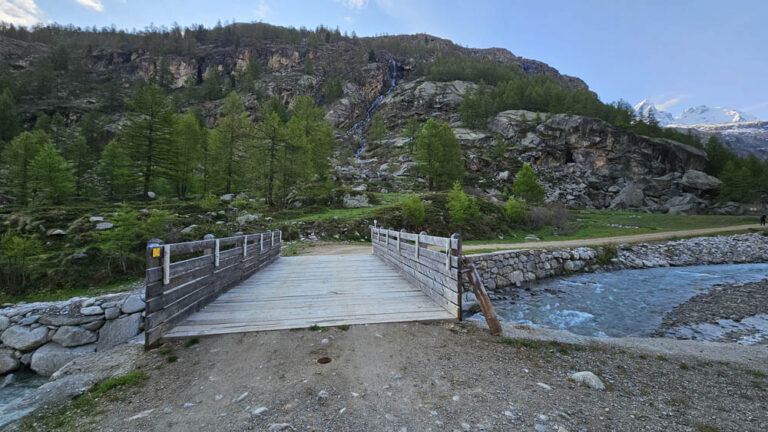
(315, 327)
(66, 417)
(701, 427)
(598, 223)
(561, 348)
(385, 199)
(343, 327)
(191, 342)
(32, 296)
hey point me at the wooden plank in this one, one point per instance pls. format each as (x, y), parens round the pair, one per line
(425, 261)
(429, 285)
(157, 288)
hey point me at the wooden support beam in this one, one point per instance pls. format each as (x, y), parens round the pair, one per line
(485, 302)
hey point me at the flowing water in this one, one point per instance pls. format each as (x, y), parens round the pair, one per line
(24, 384)
(626, 302)
(357, 129)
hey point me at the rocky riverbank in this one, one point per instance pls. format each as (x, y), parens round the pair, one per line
(45, 336)
(726, 313)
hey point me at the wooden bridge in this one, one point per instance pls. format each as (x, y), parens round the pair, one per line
(238, 284)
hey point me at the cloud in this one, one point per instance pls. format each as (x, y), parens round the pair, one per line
(96, 5)
(353, 4)
(668, 104)
(20, 12)
(261, 11)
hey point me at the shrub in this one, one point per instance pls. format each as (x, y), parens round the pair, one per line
(413, 211)
(209, 203)
(527, 187)
(556, 216)
(516, 211)
(461, 208)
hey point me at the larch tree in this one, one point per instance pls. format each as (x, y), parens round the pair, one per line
(377, 130)
(271, 140)
(232, 134)
(51, 176)
(116, 172)
(147, 136)
(527, 187)
(186, 146)
(10, 123)
(438, 155)
(410, 132)
(17, 157)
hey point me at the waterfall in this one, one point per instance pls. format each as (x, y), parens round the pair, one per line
(357, 129)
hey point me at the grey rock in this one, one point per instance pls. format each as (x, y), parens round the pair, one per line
(685, 204)
(8, 363)
(101, 226)
(93, 325)
(67, 319)
(118, 331)
(698, 180)
(111, 313)
(92, 310)
(26, 358)
(51, 357)
(247, 218)
(24, 338)
(188, 229)
(4, 322)
(151, 195)
(355, 201)
(631, 196)
(55, 233)
(72, 336)
(94, 219)
(132, 303)
(9, 379)
(228, 197)
(589, 379)
(29, 320)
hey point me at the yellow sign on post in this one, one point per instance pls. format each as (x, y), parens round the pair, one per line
(156, 252)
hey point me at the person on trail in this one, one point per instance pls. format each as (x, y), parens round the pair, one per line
(762, 220)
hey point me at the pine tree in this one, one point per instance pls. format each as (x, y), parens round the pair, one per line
(117, 173)
(10, 123)
(232, 134)
(438, 154)
(527, 187)
(377, 129)
(147, 136)
(51, 176)
(17, 157)
(186, 147)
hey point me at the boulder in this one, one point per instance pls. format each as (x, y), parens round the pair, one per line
(8, 363)
(188, 229)
(51, 357)
(71, 336)
(132, 304)
(94, 219)
(101, 226)
(151, 195)
(684, 204)
(111, 313)
(91, 310)
(589, 379)
(355, 201)
(65, 320)
(631, 196)
(4, 322)
(118, 331)
(700, 181)
(227, 197)
(24, 338)
(247, 218)
(55, 233)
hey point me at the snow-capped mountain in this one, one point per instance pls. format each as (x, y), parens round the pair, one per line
(700, 115)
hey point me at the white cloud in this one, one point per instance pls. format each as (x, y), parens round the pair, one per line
(96, 5)
(20, 12)
(668, 104)
(353, 4)
(261, 11)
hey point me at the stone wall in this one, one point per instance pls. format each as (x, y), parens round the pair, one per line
(46, 336)
(502, 269)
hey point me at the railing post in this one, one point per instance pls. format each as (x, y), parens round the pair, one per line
(216, 254)
(209, 251)
(459, 264)
(273, 238)
(261, 243)
(398, 240)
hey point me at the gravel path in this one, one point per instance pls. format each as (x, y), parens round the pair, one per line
(422, 377)
(635, 238)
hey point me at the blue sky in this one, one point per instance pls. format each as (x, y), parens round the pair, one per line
(677, 53)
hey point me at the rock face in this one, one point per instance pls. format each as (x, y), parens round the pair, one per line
(24, 338)
(52, 356)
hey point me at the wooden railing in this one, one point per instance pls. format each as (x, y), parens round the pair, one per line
(181, 278)
(436, 272)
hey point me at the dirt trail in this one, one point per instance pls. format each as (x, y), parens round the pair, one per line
(635, 238)
(422, 377)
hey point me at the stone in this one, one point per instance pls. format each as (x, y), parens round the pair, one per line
(55, 233)
(544, 386)
(4, 322)
(95, 219)
(532, 237)
(631, 196)
(240, 398)
(51, 357)
(101, 226)
(259, 410)
(277, 427)
(112, 313)
(94, 325)
(118, 331)
(355, 201)
(29, 320)
(323, 395)
(9, 379)
(71, 336)
(228, 197)
(247, 218)
(92, 310)
(694, 179)
(188, 229)
(141, 415)
(684, 204)
(24, 338)
(132, 304)
(151, 195)
(26, 358)
(8, 363)
(62, 320)
(589, 379)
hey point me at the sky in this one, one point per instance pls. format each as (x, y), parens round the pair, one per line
(676, 53)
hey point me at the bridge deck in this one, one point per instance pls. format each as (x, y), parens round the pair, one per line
(298, 292)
